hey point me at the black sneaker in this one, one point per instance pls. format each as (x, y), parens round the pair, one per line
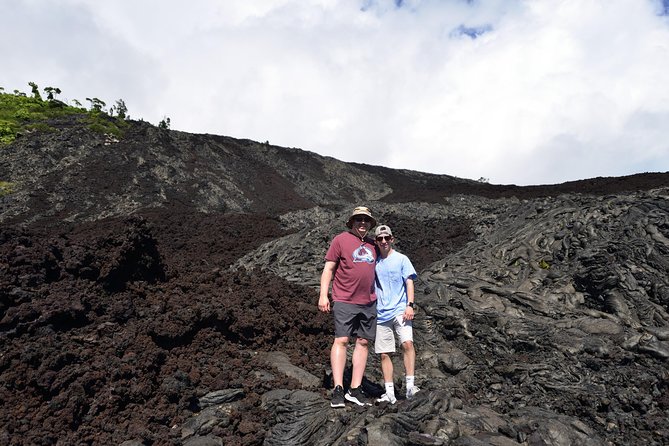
(338, 397)
(357, 396)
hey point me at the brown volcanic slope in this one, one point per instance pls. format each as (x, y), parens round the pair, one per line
(138, 276)
(77, 175)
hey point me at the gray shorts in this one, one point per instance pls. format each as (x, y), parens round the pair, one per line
(385, 334)
(354, 320)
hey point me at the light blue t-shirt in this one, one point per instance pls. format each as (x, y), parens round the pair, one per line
(390, 283)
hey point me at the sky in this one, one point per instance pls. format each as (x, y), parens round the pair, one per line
(506, 91)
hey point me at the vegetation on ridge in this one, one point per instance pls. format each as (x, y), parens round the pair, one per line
(20, 113)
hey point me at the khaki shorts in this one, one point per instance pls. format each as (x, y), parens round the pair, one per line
(354, 321)
(385, 334)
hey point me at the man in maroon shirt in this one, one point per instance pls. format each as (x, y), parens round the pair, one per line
(349, 265)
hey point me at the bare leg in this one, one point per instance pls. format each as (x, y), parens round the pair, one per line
(338, 360)
(409, 358)
(387, 367)
(359, 361)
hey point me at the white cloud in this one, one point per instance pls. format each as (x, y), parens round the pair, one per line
(518, 91)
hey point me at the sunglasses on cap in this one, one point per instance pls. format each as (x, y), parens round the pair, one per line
(386, 238)
(362, 219)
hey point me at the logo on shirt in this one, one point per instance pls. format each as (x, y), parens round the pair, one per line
(363, 255)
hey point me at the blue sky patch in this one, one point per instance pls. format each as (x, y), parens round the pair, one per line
(472, 31)
(664, 7)
(369, 4)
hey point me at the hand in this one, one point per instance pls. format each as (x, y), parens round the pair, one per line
(324, 304)
(408, 314)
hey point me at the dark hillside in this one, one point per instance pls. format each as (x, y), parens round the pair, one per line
(412, 186)
(73, 173)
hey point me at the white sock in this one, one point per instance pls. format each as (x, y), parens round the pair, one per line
(410, 381)
(390, 389)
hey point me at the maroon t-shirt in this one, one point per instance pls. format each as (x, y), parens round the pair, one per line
(354, 275)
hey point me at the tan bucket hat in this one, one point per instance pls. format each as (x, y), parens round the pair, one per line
(360, 210)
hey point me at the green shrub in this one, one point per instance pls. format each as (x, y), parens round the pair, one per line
(6, 188)
(101, 122)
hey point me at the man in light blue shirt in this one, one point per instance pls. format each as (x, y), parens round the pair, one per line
(395, 311)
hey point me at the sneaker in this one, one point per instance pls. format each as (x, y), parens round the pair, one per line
(338, 397)
(356, 396)
(412, 391)
(385, 398)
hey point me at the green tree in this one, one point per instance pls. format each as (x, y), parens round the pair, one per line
(51, 92)
(96, 104)
(164, 124)
(121, 109)
(35, 90)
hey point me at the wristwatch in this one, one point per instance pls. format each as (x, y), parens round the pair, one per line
(411, 304)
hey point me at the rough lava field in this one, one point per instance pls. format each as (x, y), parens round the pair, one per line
(160, 289)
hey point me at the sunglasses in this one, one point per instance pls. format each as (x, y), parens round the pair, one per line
(385, 238)
(362, 219)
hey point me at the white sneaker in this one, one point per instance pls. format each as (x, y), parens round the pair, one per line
(385, 398)
(412, 391)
